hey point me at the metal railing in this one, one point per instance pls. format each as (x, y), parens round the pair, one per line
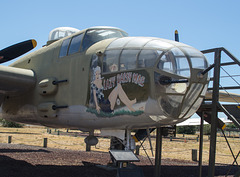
(216, 105)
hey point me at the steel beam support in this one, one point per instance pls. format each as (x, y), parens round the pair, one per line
(229, 115)
(201, 145)
(235, 160)
(158, 153)
(215, 98)
(231, 56)
(225, 51)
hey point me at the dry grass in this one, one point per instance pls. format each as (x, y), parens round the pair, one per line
(179, 148)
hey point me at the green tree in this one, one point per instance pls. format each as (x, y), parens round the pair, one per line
(186, 130)
(207, 129)
(231, 125)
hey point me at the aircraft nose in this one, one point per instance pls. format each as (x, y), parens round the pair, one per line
(178, 89)
(175, 91)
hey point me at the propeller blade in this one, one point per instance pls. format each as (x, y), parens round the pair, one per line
(176, 36)
(16, 50)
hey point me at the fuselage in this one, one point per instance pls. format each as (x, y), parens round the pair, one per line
(99, 78)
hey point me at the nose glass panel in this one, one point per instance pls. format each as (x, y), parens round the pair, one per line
(191, 97)
(197, 59)
(158, 44)
(147, 58)
(175, 62)
(180, 100)
(170, 104)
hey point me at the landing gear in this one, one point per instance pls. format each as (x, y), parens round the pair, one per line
(121, 152)
(127, 144)
(90, 140)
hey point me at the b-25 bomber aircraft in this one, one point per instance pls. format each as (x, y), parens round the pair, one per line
(100, 78)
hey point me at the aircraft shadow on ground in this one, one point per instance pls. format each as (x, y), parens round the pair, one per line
(19, 168)
(22, 150)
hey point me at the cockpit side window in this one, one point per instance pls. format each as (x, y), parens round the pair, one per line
(64, 48)
(75, 44)
(70, 45)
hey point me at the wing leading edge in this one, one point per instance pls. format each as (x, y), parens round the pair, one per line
(225, 97)
(15, 80)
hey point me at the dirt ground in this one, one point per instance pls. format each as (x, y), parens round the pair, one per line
(179, 148)
(28, 161)
(66, 156)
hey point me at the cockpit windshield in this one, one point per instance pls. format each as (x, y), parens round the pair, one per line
(168, 56)
(93, 36)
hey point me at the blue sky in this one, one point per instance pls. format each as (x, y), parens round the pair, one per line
(201, 24)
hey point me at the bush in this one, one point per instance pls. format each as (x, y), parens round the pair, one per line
(186, 130)
(6, 123)
(207, 129)
(231, 125)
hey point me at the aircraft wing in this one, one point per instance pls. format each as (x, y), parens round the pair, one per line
(224, 97)
(197, 121)
(191, 122)
(15, 80)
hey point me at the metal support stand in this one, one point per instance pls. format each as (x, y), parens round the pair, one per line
(215, 106)
(158, 154)
(215, 98)
(128, 140)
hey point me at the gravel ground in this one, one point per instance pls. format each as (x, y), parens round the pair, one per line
(29, 161)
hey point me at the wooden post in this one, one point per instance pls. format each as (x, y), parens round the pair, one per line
(45, 142)
(9, 139)
(88, 148)
(137, 150)
(194, 155)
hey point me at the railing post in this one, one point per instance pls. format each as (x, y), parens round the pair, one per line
(215, 98)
